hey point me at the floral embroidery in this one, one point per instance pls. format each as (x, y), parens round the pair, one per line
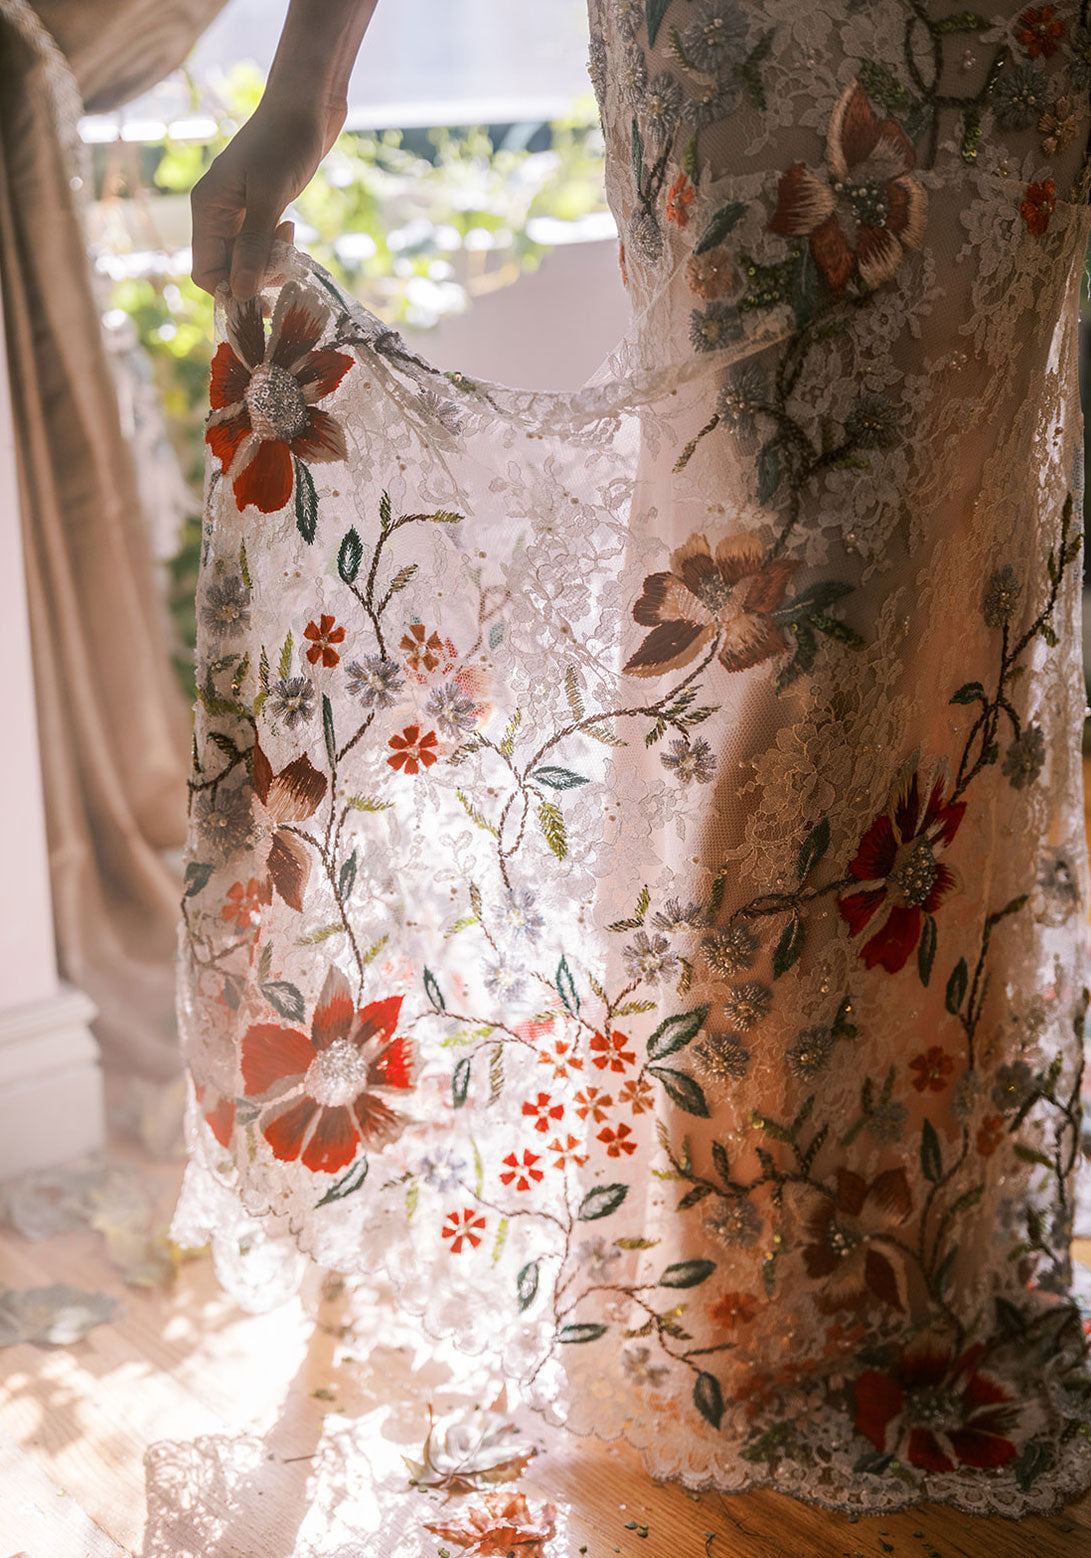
(936, 1410)
(321, 637)
(412, 751)
(1038, 206)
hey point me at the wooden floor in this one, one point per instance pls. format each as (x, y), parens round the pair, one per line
(255, 1405)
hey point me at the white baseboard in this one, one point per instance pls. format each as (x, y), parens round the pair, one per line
(51, 1104)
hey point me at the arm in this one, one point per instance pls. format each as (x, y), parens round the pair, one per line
(239, 201)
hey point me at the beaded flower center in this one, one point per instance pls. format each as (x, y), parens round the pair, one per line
(868, 201)
(916, 876)
(840, 1240)
(713, 591)
(336, 1075)
(275, 402)
(936, 1408)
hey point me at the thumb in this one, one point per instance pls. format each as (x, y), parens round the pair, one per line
(250, 251)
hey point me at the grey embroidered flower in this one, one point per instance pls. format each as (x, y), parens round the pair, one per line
(872, 423)
(1001, 597)
(810, 1052)
(710, 102)
(597, 1256)
(519, 916)
(292, 700)
(739, 396)
(505, 980)
(1025, 758)
(636, 1361)
(445, 412)
(887, 1121)
(662, 108)
(747, 1004)
(1020, 96)
(374, 681)
(226, 608)
(442, 1169)
(1079, 66)
(729, 951)
(722, 1057)
(1059, 888)
(673, 919)
(650, 958)
(964, 1095)
(715, 326)
(716, 38)
(223, 819)
(736, 1223)
(1013, 1086)
(645, 241)
(452, 711)
(633, 75)
(690, 760)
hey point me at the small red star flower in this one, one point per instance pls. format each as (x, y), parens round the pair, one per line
(522, 1169)
(542, 1110)
(616, 1142)
(322, 636)
(243, 903)
(933, 1069)
(1039, 31)
(1039, 204)
(610, 1051)
(679, 197)
(411, 749)
(463, 1227)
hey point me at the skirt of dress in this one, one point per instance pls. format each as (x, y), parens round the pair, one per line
(637, 888)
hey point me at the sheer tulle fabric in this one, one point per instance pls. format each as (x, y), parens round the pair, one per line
(637, 884)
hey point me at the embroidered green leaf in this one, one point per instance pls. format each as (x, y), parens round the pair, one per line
(966, 1200)
(572, 692)
(674, 1033)
(804, 287)
(367, 803)
(285, 658)
(327, 731)
(507, 741)
(566, 988)
(384, 510)
(681, 1090)
(931, 1157)
(772, 1128)
(689, 159)
(926, 951)
(637, 150)
(944, 1269)
(244, 566)
(587, 1331)
(265, 962)
(873, 1461)
(1032, 1155)
(323, 934)
(719, 225)
(263, 669)
(1033, 1459)
(813, 848)
(347, 878)
(432, 990)
(346, 1184)
(637, 920)
(460, 1081)
(814, 599)
(600, 733)
(306, 501)
(768, 472)
(635, 1006)
(349, 556)
(552, 825)
(788, 948)
(956, 987)
(969, 692)
(197, 875)
(401, 578)
(558, 778)
(654, 12)
(692, 1197)
(963, 21)
(764, 1446)
(749, 73)
(834, 628)
(601, 1201)
(285, 998)
(445, 517)
(720, 1159)
(475, 815)
(636, 1243)
(687, 1273)
(461, 924)
(526, 1285)
(708, 1398)
(496, 1073)
(883, 87)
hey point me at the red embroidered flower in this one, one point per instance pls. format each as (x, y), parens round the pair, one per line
(263, 394)
(323, 635)
(990, 1133)
(867, 210)
(220, 1118)
(243, 903)
(727, 595)
(542, 1110)
(562, 1057)
(680, 196)
(463, 1227)
(935, 1410)
(567, 1152)
(616, 1142)
(933, 1068)
(424, 650)
(611, 1051)
(411, 749)
(289, 797)
(733, 1309)
(638, 1094)
(1038, 206)
(594, 1102)
(1040, 30)
(325, 1091)
(846, 1232)
(522, 1170)
(898, 855)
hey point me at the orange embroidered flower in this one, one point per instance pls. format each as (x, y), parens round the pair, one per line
(733, 1309)
(1039, 31)
(522, 1169)
(322, 636)
(680, 196)
(263, 393)
(423, 649)
(638, 1094)
(567, 1152)
(933, 1069)
(990, 1133)
(463, 1227)
(616, 1142)
(611, 1052)
(594, 1102)
(243, 903)
(542, 1110)
(1039, 204)
(411, 749)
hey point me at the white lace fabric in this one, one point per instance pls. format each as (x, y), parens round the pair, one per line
(637, 881)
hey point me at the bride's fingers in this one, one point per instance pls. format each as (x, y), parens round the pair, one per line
(285, 232)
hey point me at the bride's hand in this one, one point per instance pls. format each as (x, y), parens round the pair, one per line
(238, 202)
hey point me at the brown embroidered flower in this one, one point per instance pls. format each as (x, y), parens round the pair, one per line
(933, 1068)
(1039, 204)
(1039, 31)
(990, 1133)
(727, 595)
(867, 210)
(712, 274)
(846, 1234)
(733, 1309)
(289, 797)
(1058, 125)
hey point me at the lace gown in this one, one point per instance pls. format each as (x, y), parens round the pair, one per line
(637, 885)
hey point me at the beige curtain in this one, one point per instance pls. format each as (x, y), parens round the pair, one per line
(114, 727)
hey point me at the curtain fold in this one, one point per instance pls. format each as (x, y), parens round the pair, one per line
(113, 723)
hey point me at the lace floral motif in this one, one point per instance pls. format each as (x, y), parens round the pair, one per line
(637, 881)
